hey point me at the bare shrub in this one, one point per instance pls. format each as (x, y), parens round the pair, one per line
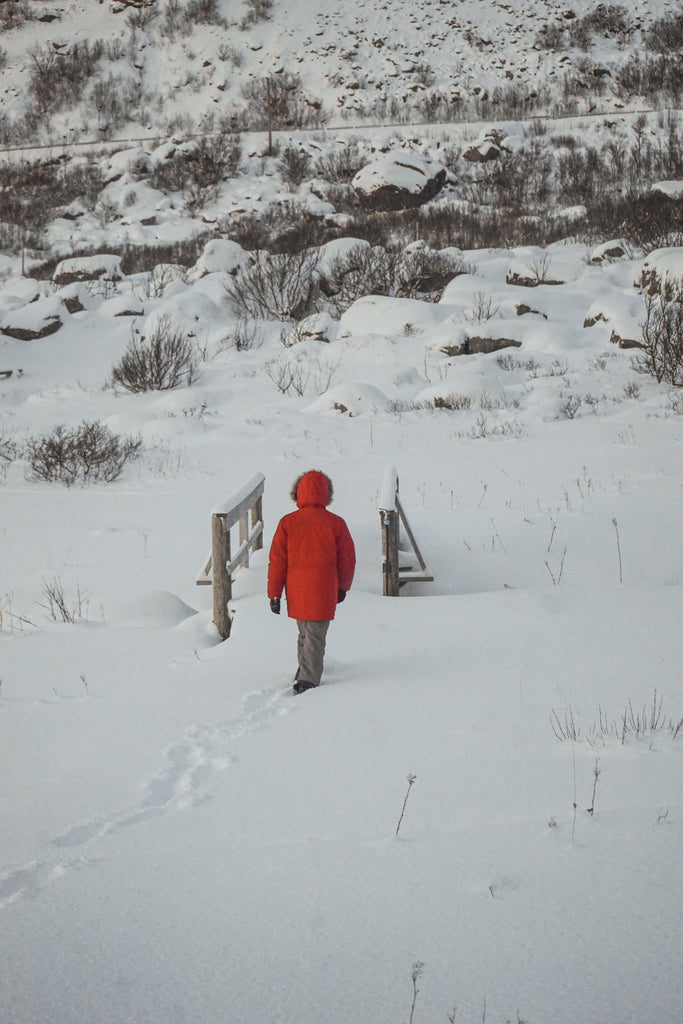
(389, 271)
(161, 362)
(342, 164)
(665, 35)
(610, 19)
(30, 193)
(247, 335)
(302, 373)
(115, 99)
(278, 102)
(57, 79)
(425, 273)
(662, 352)
(257, 10)
(8, 450)
(294, 164)
(361, 271)
(651, 76)
(277, 286)
(647, 222)
(215, 158)
(516, 180)
(60, 606)
(87, 453)
(483, 308)
(141, 17)
(204, 12)
(15, 14)
(551, 36)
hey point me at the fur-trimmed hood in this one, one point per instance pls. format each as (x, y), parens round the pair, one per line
(312, 488)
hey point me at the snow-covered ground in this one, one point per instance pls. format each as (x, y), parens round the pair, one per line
(478, 816)
(184, 840)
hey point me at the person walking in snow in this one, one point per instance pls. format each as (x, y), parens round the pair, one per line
(312, 558)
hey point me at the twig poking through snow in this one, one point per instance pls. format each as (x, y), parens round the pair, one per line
(596, 776)
(418, 968)
(616, 530)
(411, 780)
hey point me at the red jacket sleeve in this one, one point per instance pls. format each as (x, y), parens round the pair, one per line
(277, 562)
(346, 557)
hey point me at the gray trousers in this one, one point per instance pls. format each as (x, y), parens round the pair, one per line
(311, 650)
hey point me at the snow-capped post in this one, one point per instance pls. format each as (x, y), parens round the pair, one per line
(391, 516)
(389, 527)
(244, 508)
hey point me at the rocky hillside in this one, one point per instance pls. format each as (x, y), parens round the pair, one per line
(76, 70)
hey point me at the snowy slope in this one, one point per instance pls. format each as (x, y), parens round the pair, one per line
(345, 57)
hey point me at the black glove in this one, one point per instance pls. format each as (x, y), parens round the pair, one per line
(341, 594)
(275, 605)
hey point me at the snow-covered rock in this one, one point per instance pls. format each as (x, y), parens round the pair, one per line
(352, 399)
(37, 320)
(88, 268)
(378, 314)
(670, 189)
(220, 255)
(661, 265)
(615, 249)
(399, 181)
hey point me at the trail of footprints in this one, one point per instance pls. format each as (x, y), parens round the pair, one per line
(201, 755)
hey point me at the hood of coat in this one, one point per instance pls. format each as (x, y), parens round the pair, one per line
(312, 488)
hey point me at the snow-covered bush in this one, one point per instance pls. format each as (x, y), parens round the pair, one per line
(666, 34)
(89, 452)
(662, 353)
(277, 286)
(14, 15)
(405, 273)
(257, 10)
(58, 79)
(203, 12)
(214, 159)
(293, 165)
(340, 165)
(163, 361)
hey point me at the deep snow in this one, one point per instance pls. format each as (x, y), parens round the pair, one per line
(184, 841)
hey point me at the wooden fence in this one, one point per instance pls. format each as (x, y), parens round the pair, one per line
(243, 509)
(392, 516)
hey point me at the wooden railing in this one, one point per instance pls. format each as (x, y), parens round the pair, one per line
(243, 509)
(392, 517)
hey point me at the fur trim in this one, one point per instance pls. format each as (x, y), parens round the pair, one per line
(295, 485)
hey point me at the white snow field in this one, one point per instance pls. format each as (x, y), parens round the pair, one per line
(478, 816)
(184, 840)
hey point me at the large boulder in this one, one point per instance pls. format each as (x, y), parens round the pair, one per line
(88, 268)
(38, 320)
(399, 182)
(662, 265)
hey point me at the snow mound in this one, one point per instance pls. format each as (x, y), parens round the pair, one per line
(376, 314)
(352, 399)
(220, 256)
(147, 609)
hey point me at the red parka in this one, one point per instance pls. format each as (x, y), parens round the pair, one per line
(312, 554)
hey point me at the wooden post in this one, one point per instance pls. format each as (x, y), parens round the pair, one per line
(391, 516)
(257, 517)
(244, 536)
(222, 582)
(389, 526)
(244, 509)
